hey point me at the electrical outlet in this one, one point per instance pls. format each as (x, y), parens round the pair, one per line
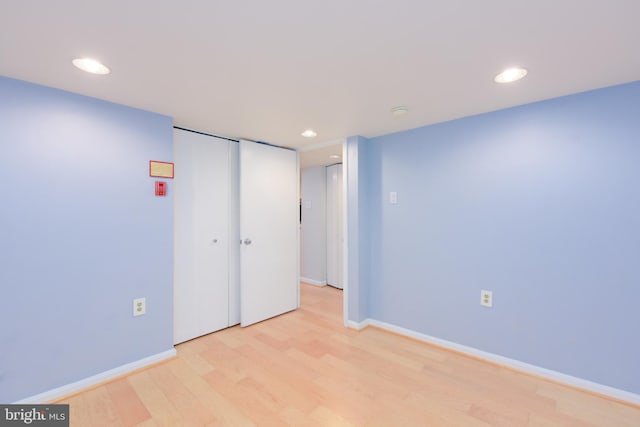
(139, 306)
(486, 298)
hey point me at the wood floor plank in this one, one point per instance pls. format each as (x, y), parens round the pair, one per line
(164, 413)
(100, 407)
(590, 408)
(328, 418)
(147, 423)
(198, 364)
(181, 398)
(79, 410)
(305, 369)
(250, 398)
(225, 411)
(130, 409)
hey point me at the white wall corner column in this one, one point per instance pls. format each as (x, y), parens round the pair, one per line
(355, 231)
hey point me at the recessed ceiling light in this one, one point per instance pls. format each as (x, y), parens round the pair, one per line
(309, 133)
(91, 66)
(400, 110)
(334, 156)
(510, 75)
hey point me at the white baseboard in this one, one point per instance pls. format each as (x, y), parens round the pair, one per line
(65, 390)
(505, 361)
(313, 282)
(358, 326)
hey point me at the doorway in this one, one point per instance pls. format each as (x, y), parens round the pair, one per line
(334, 227)
(322, 207)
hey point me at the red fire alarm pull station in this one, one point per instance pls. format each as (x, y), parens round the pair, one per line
(161, 188)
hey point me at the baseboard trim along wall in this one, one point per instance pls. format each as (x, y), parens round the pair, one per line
(557, 377)
(313, 282)
(358, 326)
(65, 390)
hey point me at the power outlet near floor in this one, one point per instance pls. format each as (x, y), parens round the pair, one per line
(486, 298)
(139, 306)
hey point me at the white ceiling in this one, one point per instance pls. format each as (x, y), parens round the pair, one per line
(267, 70)
(321, 154)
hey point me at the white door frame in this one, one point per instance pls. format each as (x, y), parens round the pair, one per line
(345, 235)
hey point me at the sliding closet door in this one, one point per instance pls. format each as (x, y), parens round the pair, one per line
(201, 235)
(269, 223)
(334, 226)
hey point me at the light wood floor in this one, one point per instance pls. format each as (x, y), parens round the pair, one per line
(305, 369)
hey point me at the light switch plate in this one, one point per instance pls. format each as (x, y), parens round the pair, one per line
(393, 197)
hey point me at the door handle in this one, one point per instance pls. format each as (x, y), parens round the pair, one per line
(247, 242)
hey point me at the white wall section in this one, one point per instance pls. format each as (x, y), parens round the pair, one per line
(313, 228)
(334, 228)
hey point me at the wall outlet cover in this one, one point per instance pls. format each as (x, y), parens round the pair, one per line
(139, 306)
(486, 298)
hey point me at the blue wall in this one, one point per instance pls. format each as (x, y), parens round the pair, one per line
(81, 235)
(541, 205)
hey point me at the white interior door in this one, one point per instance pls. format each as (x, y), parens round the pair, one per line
(269, 212)
(201, 234)
(334, 226)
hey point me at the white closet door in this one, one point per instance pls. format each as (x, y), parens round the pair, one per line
(269, 212)
(201, 235)
(334, 225)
